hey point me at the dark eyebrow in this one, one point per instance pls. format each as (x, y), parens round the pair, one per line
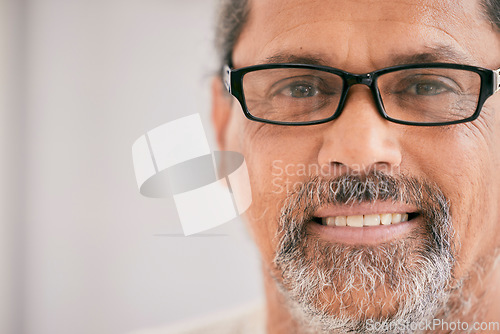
(444, 54)
(434, 54)
(298, 59)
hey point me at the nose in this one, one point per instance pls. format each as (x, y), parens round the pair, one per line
(360, 139)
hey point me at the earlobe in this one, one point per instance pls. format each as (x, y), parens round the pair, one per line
(221, 112)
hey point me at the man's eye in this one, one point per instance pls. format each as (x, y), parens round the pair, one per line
(426, 85)
(301, 90)
(428, 88)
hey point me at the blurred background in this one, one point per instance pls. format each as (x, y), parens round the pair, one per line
(81, 251)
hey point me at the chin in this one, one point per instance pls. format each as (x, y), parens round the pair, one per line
(345, 286)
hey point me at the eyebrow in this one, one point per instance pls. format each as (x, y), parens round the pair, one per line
(308, 59)
(441, 53)
(431, 55)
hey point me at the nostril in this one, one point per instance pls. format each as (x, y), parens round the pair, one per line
(339, 168)
(334, 169)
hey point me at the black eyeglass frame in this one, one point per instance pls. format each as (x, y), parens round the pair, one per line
(233, 80)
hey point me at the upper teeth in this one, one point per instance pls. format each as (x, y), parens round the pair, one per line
(365, 220)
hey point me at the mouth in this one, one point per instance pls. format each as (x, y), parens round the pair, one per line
(383, 219)
(368, 228)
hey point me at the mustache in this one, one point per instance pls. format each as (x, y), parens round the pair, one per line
(350, 189)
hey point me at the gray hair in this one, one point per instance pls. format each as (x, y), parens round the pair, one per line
(231, 19)
(492, 11)
(234, 13)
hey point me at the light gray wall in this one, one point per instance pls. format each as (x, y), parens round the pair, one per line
(9, 190)
(12, 154)
(95, 254)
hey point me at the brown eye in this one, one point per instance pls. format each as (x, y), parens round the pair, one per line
(300, 91)
(428, 88)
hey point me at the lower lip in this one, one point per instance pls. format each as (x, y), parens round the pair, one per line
(369, 235)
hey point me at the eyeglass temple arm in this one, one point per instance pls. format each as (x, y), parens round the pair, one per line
(496, 80)
(226, 77)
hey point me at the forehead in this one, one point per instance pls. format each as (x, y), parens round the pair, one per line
(364, 35)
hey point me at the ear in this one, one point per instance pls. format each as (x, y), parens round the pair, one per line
(221, 112)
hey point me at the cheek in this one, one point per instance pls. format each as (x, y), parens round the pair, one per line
(476, 217)
(272, 153)
(459, 159)
(252, 140)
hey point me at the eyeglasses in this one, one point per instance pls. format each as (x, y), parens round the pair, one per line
(417, 94)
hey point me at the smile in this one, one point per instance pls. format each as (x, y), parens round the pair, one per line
(367, 220)
(364, 223)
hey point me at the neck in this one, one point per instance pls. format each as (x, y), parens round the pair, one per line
(481, 304)
(492, 302)
(279, 319)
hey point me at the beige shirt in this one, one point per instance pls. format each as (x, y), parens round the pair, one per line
(247, 320)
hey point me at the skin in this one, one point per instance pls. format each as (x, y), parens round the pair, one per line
(362, 36)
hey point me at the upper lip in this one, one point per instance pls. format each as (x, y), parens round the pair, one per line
(358, 209)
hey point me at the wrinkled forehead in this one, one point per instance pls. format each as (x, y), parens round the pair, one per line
(363, 35)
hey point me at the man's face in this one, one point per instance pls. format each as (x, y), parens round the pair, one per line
(432, 173)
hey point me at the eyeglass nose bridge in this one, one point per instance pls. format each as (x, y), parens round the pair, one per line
(355, 79)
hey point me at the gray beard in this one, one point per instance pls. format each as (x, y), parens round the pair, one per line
(414, 273)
